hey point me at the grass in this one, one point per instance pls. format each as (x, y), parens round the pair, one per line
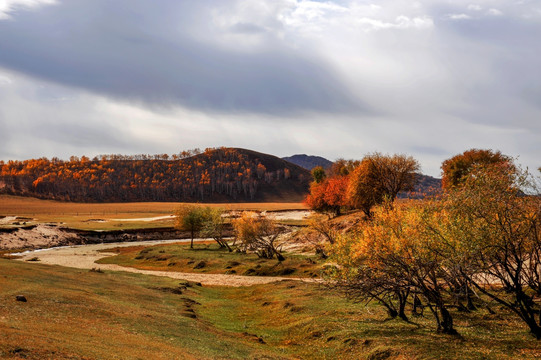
(79, 314)
(77, 215)
(209, 258)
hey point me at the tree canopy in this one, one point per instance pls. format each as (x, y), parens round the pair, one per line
(456, 169)
(381, 177)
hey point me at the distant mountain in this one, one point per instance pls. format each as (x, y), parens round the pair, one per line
(426, 186)
(215, 175)
(308, 161)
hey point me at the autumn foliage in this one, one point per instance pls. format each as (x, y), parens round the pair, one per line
(456, 169)
(329, 195)
(218, 175)
(259, 234)
(362, 184)
(482, 237)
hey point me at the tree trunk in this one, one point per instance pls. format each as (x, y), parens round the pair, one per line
(279, 256)
(191, 243)
(392, 313)
(447, 322)
(402, 298)
(535, 328)
(471, 305)
(417, 304)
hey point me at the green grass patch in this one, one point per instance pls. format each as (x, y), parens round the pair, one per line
(81, 314)
(210, 258)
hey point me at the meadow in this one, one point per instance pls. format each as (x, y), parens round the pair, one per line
(209, 258)
(81, 314)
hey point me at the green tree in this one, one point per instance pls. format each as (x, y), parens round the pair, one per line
(214, 226)
(318, 174)
(191, 218)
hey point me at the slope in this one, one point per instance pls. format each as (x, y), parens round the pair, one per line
(215, 175)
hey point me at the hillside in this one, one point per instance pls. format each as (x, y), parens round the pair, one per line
(308, 161)
(426, 186)
(215, 175)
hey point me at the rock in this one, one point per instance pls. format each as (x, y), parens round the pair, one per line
(20, 298)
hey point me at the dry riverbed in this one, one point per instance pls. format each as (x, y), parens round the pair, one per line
(85, 257)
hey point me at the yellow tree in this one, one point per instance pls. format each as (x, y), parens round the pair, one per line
(214, 226)
(259, 234)
(494, 237)
(391, 258)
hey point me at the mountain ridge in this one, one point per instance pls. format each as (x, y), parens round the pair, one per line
(309, 161)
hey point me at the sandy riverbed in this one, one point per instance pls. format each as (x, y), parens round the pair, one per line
(85, 256)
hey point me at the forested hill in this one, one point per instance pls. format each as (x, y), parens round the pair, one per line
(215, 175)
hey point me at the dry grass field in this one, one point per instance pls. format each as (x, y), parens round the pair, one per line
(80, 314)
(112, 216)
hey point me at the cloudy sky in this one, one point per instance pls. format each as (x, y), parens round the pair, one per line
(331, 78)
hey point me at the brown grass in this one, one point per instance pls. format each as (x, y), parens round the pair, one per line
(77, 215)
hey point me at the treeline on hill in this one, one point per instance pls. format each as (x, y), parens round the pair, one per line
(214, 175)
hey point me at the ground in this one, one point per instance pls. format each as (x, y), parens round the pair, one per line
(89, 310)
(108, 216)
(81, 314)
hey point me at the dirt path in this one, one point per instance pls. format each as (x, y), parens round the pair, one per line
(84, 257)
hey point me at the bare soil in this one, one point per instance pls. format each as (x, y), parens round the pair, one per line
(39, 236)
(84, 257)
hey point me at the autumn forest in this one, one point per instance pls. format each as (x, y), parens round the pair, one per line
(218, 175)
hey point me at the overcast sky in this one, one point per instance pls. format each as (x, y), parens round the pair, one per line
(331, 78)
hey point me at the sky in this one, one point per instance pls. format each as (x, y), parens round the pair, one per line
(338, 79)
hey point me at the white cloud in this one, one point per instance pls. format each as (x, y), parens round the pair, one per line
(8, 6)
(495, 12)
(474, 7)
(401, 22)
(459, 16)
(5, 80)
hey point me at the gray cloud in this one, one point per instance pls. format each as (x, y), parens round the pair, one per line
(137, 50)
(280, 76)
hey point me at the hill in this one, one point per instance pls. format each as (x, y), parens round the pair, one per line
(215, 175)
(309, 161)
(426, 186)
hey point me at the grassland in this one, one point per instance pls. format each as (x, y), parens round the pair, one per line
(109, 216)
(209, 258)
(77, 314)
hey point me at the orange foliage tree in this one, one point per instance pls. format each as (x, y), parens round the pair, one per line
(328, 195)
(381, 177)
(456, 169)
